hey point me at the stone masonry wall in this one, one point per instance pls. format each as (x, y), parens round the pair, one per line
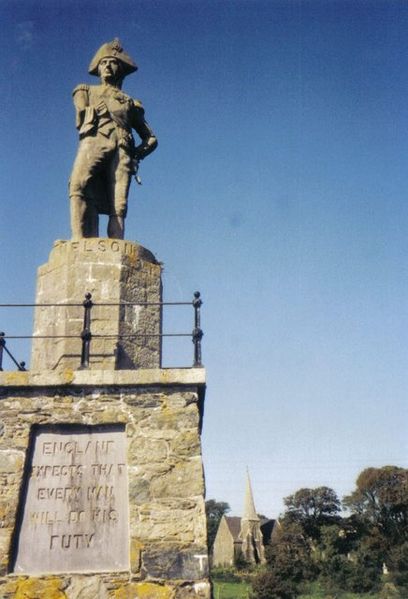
(161, 414)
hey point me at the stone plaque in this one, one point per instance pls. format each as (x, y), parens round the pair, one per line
(74, 513)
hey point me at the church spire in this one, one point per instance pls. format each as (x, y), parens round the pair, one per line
(249, 506)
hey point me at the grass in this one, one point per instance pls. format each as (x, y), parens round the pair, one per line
(231, 590)
(316, 592)
(228, 586)
(240, 590)
(340, 595)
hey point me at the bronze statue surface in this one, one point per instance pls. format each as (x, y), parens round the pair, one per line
(107, 156)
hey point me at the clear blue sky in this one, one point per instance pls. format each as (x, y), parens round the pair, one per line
(279, 189)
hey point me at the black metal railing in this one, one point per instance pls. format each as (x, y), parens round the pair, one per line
(86, 334)
(3, 348)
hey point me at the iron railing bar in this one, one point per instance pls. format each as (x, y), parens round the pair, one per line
(125, 336)
(144, 304)
(39, 305)
(43, 336)
(19, 366)
(100, 336)
(96, 304)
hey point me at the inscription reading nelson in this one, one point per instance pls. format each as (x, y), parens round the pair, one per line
(75, 515)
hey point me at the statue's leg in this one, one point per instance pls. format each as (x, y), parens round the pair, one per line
(120, 183)
(78, 216)
(116, 227)
(88, 163)
(92, 220)
(84, 218)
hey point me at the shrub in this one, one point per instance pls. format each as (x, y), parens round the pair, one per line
(361, 575)
(270, 585)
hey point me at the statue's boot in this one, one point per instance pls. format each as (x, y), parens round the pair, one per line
(116, 227)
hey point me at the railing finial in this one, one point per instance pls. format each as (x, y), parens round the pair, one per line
(2, 344)
(197, 333)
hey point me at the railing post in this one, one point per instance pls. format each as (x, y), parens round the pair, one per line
(2, 344)
(197, 332)
(86, 334)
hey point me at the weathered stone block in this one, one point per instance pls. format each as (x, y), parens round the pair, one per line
(139, 490)
(198, 590)
(83, 587)
(135, 555)
(114, 272)
(144, 590)
(11, 461)
(35, 588)
(5, 541)
(184, 480)
(147, 450)
(185, 445)
(172, 520)
(175, 563)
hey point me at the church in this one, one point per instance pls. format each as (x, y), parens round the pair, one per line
(242, 538)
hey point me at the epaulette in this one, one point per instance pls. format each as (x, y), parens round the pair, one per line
(121, 94)
(138, 104)
(82, 87)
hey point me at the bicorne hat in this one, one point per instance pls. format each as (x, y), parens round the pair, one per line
(115, 50)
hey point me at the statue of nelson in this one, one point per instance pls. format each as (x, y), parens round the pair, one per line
(107, 156)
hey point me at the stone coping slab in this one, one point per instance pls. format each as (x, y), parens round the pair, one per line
(148, 376)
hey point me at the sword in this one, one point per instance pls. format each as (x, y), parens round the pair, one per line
(137, 177)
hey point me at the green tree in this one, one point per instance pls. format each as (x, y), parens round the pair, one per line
(336, 539)
(381, 499)
(380, 502)
(358, 572)
(288, 563)
(348, 558)
(312, 509)
(215, 510)
(344, 553)
(289, 555)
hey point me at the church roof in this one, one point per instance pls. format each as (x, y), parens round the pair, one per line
(234, 525)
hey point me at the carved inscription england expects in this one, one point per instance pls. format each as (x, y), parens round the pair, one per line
(75, 515)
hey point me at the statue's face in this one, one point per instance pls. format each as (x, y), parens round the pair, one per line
(109, 70)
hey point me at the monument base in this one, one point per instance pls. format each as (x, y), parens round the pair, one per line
(124, 280)
(102, 486)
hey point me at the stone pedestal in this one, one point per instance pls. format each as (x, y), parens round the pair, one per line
(102, 486)
(114, 272)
